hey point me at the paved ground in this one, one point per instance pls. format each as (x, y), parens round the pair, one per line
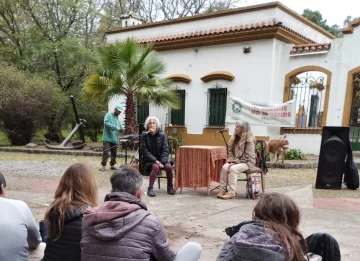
(192, 215)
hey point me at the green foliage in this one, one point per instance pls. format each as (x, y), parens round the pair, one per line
(316, 17)
(295, 154)
(4, 141)
(26, 104)
(92, 112)
(135, 71)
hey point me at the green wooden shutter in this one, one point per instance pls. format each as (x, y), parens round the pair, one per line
(217, 106)
(142, 112)
(178, 116)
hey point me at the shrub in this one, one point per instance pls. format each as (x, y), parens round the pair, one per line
(90, 111)
(295, 154)
(26, 103)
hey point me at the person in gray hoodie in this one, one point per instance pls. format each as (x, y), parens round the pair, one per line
(272, 235)
(123, 229)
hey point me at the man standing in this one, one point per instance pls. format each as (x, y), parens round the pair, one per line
(112, 126)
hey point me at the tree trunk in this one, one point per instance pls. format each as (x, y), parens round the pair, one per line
(130, 115)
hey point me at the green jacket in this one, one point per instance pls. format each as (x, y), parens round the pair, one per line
(112, 126)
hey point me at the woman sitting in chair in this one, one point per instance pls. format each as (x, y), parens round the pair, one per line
(241, 157)
(154, 152)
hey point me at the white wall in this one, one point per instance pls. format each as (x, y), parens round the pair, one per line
(300, 27)
(258, 16)
(259, 75)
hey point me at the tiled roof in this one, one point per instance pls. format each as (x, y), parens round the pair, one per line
(221, 31)
(310, 48)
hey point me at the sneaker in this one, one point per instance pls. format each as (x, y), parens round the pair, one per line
(228, 196)
(113, 168)
(170, 190)
(220, 194)
(102, 168)
(151, 192)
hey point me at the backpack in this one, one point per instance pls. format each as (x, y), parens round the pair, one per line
(253, 186)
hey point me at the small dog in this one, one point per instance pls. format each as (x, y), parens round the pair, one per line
(277, 148)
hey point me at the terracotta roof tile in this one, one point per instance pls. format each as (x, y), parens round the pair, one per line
(310, 48)
(224, 30)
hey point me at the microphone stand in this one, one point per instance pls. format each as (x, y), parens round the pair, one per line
(227, 149)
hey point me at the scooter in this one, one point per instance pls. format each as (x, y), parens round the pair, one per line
(80, 123)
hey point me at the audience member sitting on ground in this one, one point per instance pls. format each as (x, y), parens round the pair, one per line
(241, 157)
(18, 229)
(76, 191)
(272, 235)
(154, 152)
(123, 229)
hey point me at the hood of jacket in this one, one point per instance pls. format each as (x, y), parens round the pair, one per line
(254, 242)
(120, 213)
(70, 214)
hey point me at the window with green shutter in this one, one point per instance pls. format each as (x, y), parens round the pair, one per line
(142, 112)
(217, 98)
(177, 117)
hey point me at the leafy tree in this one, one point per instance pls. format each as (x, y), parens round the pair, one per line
(26, 104)
(316, 17)
(349, 19)
(134, 71)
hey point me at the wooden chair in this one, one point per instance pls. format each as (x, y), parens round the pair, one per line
(173, 144)
(260, 164)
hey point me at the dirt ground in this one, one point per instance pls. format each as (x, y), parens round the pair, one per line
(192, 215)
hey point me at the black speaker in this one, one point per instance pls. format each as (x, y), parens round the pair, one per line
(141, 129)
(334, 142)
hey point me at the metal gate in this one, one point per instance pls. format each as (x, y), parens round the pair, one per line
(355, 113)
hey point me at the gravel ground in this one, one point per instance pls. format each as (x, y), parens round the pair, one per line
(19, 166)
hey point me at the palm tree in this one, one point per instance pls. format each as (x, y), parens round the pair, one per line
(135, 71)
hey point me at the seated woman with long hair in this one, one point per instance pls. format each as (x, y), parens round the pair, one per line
(241, 157)
(272, 235)
(154, 150)
(76, 191)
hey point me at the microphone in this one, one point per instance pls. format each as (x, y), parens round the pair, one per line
(221, 131)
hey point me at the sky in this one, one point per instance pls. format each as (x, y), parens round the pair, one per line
(334, 11)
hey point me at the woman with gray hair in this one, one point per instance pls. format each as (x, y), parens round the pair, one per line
(240, 158)
(154, 152)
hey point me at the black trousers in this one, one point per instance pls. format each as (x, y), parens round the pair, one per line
(107, 151)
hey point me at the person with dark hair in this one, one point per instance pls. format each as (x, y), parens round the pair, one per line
(76, 191)
(240, 158)
(18, 228)
(154, 152)
(112, 126)
(272, 235)
(123, 229)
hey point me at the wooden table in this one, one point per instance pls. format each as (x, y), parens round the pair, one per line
(197, 166)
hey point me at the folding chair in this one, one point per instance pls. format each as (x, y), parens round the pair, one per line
(260, 164)
(173, 144)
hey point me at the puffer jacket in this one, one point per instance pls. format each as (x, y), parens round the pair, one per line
(67, 247)
(123, 229)
(150, 153)
(252, 242)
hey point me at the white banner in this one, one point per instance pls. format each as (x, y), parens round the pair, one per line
(282, 115)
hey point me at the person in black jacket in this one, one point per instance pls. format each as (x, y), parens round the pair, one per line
(154, 152)
(76, 191)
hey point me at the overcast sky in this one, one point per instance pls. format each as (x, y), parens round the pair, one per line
(334, 11)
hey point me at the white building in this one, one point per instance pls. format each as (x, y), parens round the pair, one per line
(253, 53)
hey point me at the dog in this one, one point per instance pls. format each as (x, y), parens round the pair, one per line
(277, 148)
